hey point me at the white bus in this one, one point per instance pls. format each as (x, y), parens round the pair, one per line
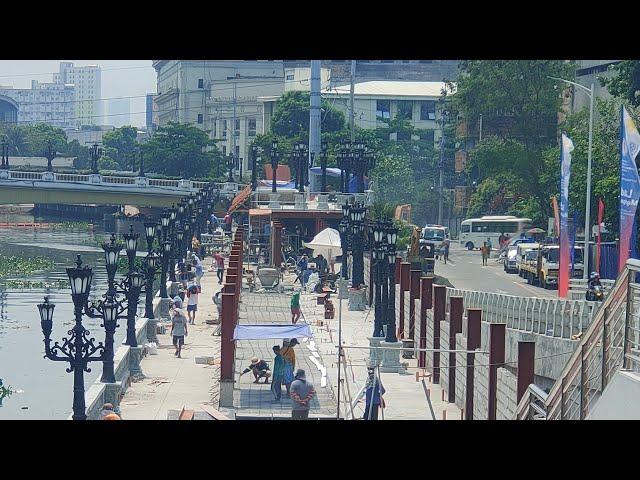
(475, 231)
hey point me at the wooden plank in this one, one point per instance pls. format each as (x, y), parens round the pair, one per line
(214, 413)
(186, 414)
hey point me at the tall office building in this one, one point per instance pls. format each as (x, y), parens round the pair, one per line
(152, 112)
(87, 82)
(119, 112)
(50, 103)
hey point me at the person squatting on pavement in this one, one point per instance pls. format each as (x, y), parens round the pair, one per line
(302, 392)
(259, 368)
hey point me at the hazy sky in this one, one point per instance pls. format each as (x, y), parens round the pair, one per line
(120, 78)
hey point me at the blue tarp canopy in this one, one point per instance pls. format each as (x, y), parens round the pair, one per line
(271, 331)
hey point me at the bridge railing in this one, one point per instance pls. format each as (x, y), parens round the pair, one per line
(546, 316)
(293, 200)
(228, 188)
(610, 343)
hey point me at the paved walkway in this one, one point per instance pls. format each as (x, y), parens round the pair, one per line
(171, 383)
(405, 398)
(256, 400)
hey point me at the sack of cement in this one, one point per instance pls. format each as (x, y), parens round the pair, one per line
(152, 348)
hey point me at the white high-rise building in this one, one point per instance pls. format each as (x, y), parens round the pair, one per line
(87, 82)
(119, 112)
(50, 103)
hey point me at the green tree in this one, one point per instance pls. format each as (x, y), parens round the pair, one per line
(122, 146)
(626, 83)
(291, 115)
(180, 149)
(39, 136)
(516, 98)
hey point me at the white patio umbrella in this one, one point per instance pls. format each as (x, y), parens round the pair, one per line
(327, 243)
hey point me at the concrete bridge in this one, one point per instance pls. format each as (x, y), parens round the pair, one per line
(18, 187)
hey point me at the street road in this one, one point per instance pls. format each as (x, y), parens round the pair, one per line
(465, 271)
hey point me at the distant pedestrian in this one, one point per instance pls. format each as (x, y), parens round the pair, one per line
(178, 325)
(295, 306)
(228, 221)
(108, 410)
(192, 302)
(214, 222)
(484, 251)
(198, 267)
(219, 262)
(373, 396)
(303, 266)
(445, 250)
(289, 356)
(195, 244)
(302, 392)
(278, 374)
(489, 245)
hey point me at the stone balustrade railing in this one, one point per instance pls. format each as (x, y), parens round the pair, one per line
(546, 316)
(228, 187)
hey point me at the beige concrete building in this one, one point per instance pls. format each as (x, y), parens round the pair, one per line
(378, 100)
(204, 93)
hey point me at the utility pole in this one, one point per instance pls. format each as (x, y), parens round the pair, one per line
(440, 167)
(351, 92)
(314, 120)
(233, 123)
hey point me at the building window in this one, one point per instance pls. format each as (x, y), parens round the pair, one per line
(201, 83)
(224, 129)
(428, 136)
(405, 110)
(383, 108)
(428, 110)
(236, 157)
(252, 127)
(224, 150)
(214, 133)
(199, 118)
(289, 77)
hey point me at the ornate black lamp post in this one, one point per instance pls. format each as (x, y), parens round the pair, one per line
(356, 214)
(132, 289)
(171, 234)
(344, 240)
(78, 349)
(131, 244)
(274, 165)
(95, 153)
(151, 266)
(5, 154)
(392, 237)
(165, 252)
(50, 154)
(379, 258)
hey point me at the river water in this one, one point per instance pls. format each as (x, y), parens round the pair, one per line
(43, 389)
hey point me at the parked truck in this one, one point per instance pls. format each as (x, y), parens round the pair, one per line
(541, 266)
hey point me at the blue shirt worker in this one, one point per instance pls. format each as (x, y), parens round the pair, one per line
(374, 392)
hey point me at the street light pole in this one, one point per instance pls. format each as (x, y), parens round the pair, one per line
(587, 213)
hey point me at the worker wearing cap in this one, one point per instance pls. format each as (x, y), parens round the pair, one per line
(178, 325)
(259, 368)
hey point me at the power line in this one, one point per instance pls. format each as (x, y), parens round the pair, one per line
(56, 73)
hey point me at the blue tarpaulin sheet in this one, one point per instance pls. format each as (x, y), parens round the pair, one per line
(273, 331)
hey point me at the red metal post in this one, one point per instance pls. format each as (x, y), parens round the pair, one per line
(425, 303)
(227, 346)
(455, 326)
(474, 322)
(496, 359)
(526, 362)
(414, 293)
(439, 307)
(405, 279)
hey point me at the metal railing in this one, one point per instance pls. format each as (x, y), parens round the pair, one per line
(306, 201)
(546, 316)
(532, 406)
(610, 343)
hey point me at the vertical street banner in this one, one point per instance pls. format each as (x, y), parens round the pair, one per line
(556, 216)
(565, 173)
(629, 185)
(600, 217)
